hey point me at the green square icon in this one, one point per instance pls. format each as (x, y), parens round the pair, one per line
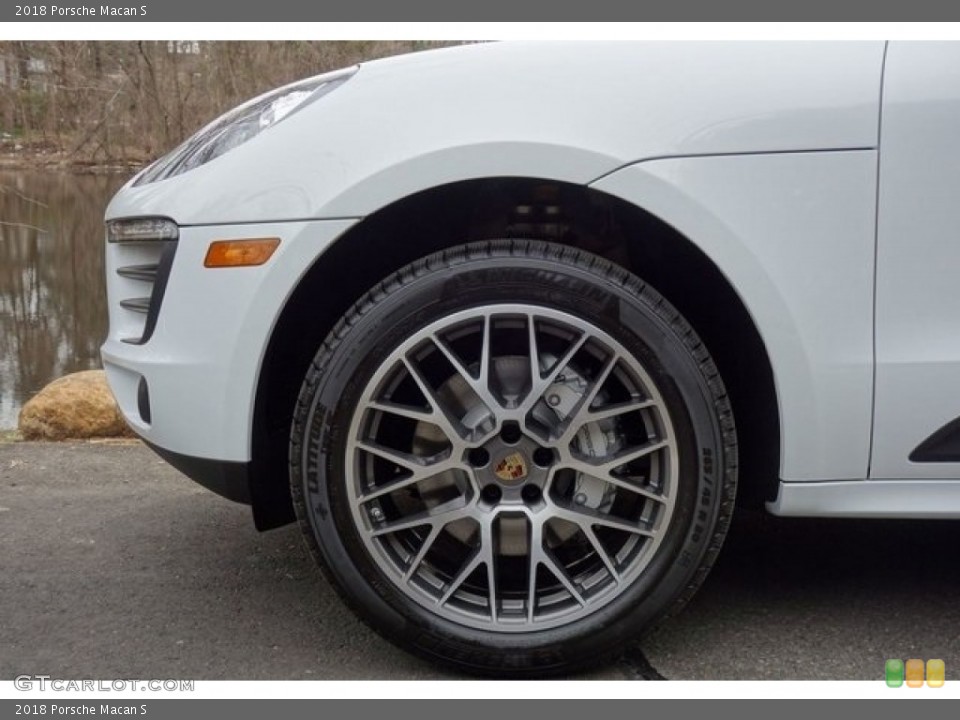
(894, 673)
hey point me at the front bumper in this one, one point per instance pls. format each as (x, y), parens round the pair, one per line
(189, 388)
(227, 479)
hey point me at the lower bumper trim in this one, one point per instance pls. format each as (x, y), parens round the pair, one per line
(228, 479)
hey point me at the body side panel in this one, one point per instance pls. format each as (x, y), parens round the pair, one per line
(794, 234)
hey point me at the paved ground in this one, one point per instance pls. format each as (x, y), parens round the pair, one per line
(114, 565)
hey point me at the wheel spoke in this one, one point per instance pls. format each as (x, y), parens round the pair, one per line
(419, 468)
(484, 555)
(534, 349)
(586, 521)
(441, 515)
(485, 362)
(428, 541)
(584, 518)
(560, 573)
(480, 386)
(535, 560)
(462, 574)
(431, 471)
(413, 413)
(541, 383)
(389, 487)
(417, 472)
(590, 470)
(603, 469)
(609, 364)
(634, 488)
(601, 552)
(450, 426)
(487, 550)
(618, 409)
(580, 414)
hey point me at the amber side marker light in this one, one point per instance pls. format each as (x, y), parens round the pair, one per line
(240, 253)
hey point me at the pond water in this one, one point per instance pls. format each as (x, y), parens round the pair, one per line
(53, 306)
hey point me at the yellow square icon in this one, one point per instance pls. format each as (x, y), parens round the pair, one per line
(936, 673)
(914, 673)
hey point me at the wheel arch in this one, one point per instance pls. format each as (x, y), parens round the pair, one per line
(458, 212)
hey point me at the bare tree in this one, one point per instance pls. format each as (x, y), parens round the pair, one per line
(126, 102)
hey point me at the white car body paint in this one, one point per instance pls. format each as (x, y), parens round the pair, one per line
(204, 356)
(918, 294)
(764, 155)
(917, 297)
(793, 233)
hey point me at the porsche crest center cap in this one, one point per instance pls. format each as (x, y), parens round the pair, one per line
(512, 468)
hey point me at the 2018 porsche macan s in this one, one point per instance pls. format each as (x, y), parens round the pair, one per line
(507, 326)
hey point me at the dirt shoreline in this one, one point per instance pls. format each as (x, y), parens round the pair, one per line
(62, 161)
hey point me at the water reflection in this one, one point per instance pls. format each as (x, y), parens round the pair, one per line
(53, 309)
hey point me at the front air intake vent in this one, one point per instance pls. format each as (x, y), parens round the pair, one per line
(140, 305)
(147, 273)
(145, 282)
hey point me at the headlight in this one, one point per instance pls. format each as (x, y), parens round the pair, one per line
(135, 230)
(241, 124)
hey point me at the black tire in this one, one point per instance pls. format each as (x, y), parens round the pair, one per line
(638, 329)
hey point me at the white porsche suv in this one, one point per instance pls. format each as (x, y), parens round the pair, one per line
(507, 327)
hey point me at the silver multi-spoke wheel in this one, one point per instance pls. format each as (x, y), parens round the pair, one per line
(513, 457)
(511, 467)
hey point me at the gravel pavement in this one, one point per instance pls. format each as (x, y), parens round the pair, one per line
(115, 565)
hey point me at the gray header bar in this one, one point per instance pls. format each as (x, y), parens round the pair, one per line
(469, 710)
(489, 11)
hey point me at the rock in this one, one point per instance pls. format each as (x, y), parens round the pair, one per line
(79, 405)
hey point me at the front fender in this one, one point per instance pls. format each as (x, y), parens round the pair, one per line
(794, 235)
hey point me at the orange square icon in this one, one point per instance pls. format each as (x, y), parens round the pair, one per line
(914, 673)
(936, 673)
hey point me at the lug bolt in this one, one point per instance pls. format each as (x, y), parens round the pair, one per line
(491, 494)
(510, 433)
(543, 457)
(530, 493)
(478, 457)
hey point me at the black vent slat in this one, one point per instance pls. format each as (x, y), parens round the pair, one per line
(140, 305)
(147, 273)
(153, 278)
